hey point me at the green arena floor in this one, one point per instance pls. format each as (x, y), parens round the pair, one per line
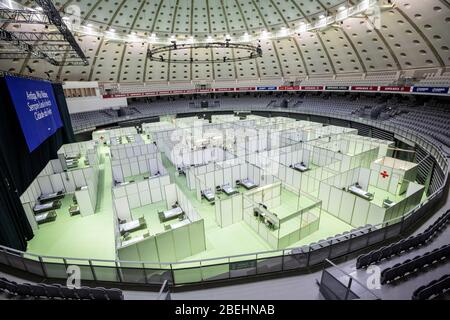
(93, 236)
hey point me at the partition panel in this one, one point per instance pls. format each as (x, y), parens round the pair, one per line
(166, 248)
(182, 242)
(360, 212)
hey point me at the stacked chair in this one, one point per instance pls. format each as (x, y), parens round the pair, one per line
(404, 245)
(56, 291)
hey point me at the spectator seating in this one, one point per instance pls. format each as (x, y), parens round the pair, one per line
(418, 264)
(56, 291)
(431, 79)
(405, 244)
(432, 289)
(431, 118)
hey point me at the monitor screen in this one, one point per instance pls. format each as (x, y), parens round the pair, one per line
(36, 109)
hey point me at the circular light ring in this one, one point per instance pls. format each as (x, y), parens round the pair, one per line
(163, 54)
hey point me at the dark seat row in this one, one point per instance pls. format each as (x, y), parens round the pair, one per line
(418, 263)
(55, 291)
(410, 243)
(324, 243)
(432, 289)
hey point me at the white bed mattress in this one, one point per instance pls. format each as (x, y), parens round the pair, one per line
(247, 183)
(300, 167)
(172, 213)
(228, 189)
(44, 206)
(360, 192)
(208, 194)
(129, 226)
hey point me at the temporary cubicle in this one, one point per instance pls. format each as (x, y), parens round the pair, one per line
(87, 152)
(132, 160)
(379, 196)
(232, 173)
(315, 131)
(83, 183)
(152, 127)
(164, 242)
(181, 152)
(106, 135)
(279, 220)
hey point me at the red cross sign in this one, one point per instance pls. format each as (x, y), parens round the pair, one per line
(384, 174)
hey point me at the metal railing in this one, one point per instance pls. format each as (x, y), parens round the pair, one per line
(217, 269)
(336, 284)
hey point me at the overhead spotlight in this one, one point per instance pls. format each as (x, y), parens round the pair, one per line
(224, 59)
(259, 50)
(174, 43)
(161, 58)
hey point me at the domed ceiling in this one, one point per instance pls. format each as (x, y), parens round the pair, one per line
(386, 37)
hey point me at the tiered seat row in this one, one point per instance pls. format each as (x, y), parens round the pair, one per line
(405, 244)
(417, 264)
(432, 289)
(56, 291)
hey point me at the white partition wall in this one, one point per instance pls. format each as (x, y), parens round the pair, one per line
(357, 211)
(132, 150)
(76, 149)
(138, 194)
(174, 194)
(82, 182)
(290, 225)
(150, 165)
(228, 210)
(168, 246)
(105, 135)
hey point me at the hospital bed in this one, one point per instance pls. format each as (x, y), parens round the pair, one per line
(74, 210)
(178, 224)
(121, 184)
(47, 197)
(72, 165)
(247, 183)
(208, 195)
(170, 214)
(150, 176)
(73, 157)
(134, 240)
(131, 226)
(300, 167)
(228, 189)
(388, 203)
(45, 217)
(357, 190)
(39, 208)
